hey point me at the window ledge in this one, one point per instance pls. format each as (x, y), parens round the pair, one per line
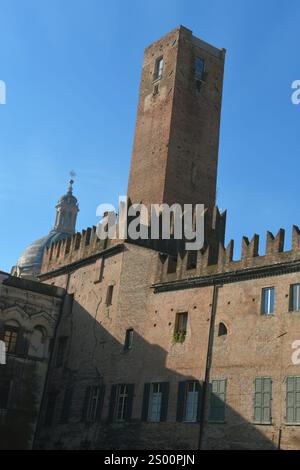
(262, 424)
(156, 80)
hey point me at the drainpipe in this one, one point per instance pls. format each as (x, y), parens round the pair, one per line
(205, 387)
(43, 399)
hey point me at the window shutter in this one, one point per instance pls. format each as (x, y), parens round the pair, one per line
(291, 298)
(130, 393)
(86, 403)
(267, 398)
(100, 403)
(258, 400)
(217, 400)
(165, 386)
(145, 406)
(180, 401)
(112, 402)
(199, 389)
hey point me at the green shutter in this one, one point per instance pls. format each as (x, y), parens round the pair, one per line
(145, 405)
(262, 400)
(218, 400)
(293, 400)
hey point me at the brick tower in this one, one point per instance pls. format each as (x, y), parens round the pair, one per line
(175, 150)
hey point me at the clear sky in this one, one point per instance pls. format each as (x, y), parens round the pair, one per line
(72, 71)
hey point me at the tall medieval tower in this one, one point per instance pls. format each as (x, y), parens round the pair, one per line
(175, 151)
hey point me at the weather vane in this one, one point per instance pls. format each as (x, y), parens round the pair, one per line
(72, 177)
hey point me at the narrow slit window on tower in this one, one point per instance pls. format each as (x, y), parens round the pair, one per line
(128, 339)
(159, 66)
(155, 89)
(199, 73)
(109, 295)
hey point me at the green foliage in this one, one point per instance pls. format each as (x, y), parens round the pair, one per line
(179, 336)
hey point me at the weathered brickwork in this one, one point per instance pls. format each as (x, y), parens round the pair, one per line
(157, 348)
(28, 314)
(175, 149)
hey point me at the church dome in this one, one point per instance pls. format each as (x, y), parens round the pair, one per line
(30, 262)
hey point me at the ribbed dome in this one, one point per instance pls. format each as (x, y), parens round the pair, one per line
(30, 261)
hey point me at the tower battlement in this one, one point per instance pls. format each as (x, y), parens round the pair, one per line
(202, 263)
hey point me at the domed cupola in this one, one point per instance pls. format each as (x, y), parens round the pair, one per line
(66, 212)
(30, 262)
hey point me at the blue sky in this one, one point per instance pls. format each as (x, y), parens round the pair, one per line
(72, 71)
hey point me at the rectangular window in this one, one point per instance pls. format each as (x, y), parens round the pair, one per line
(191, 401)
(155, 402)
(10, 339)
(109, 295)
(199, 73)
(128, 339)
(159, 66)
(122, 403)
(93, 403)
(180, 327)
(61, 349)
(268, 295)
(294, 297)
(218, 401)
(4, 393)
(262, 400)
(293, 400)
(199, 68)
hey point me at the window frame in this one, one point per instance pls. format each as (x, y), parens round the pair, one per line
(12, 330)
(158, 70)
(124, 396)
(271, 301)
(195, 403)
(109, 295)
(150, 406)
(128, 343)
(292, 297)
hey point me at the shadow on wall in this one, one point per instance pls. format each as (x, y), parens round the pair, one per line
(81, 403)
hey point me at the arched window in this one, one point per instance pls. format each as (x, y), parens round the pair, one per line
(37, 342)
(222, 331)
(11, 336)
